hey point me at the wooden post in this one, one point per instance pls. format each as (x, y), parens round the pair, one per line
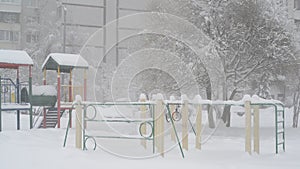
(162, 130)
(248, 124)
(159, 124)
(143, 116)
(172, 109)
(197, 101)
(85, 91)
(58, 97)
(198, 126)
(185, 116)
(79, 135)
(256, 129)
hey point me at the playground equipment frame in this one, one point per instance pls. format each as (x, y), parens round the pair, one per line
(159, 107)
(22, 60)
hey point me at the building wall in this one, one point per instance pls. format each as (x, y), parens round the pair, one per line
(35, 19)
(294, 9)
(93, 20)
(29, 22)
(10, 29)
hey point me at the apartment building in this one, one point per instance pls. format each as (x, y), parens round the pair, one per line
(10, 26)
(37, 18)
(20, 22)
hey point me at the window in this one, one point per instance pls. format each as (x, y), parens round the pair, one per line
(297, 4)
(6, 35)
(32, 37)
(297, 24)
(31, 3)
(15, 36)
(9, 17)
(280, 97)
(32, 20)
(11, 1)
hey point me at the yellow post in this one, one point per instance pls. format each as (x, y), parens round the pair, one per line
(172, 109)
(45, 76)
(13, 97)
(162, 127)
(79, 127)
(256, 129)
(159, 124)
(198, 126)
(197, 101)
(185, 116)
(248, 124)
(143, 115)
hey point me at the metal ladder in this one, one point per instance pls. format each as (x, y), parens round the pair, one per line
(280, 128)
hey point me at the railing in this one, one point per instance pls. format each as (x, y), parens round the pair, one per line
(11, 90)
(38, 113)
(91, 114)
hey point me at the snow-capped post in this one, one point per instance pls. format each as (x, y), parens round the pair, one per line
(172, 109)
(247, 102)
(143, 115)
(78, 109)
(159, 124)
(256, 125)
(197, 101)
(185, 116)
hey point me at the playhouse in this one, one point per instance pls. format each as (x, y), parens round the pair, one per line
(43, 102)
(63, 63)
(10, 99)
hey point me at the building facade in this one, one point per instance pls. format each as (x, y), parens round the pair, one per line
(10, 24)
(21, 22)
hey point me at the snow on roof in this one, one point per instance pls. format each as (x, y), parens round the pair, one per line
(65, 61)
(17, 57)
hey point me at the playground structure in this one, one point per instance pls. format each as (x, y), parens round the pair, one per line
(63, 63)
(153, 113)
(10, 90)
(42, 101)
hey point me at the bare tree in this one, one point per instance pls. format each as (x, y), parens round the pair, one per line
(248, 39)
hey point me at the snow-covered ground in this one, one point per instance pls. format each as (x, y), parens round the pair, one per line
(222, 148)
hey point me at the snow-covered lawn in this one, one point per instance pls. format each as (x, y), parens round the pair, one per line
(224, 148)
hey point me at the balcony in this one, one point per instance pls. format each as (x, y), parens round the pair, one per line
(10, 7)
